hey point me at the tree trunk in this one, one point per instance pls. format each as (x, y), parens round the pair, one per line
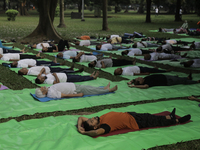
(178, 7)
(148, 13)
(141, 9)
(4, 5)
(62, 21)
(79, 6)
(45, 28)
(105, 22)
(23, 11)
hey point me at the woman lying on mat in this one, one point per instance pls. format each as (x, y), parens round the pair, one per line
(113, 121)
(64, 90)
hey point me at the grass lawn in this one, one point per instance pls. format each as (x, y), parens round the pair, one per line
(119, 23)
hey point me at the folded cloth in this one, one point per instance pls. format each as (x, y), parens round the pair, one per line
(45, 99)
(3, 87)
(164, 113)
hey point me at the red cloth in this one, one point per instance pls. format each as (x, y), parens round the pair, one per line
(165, 113)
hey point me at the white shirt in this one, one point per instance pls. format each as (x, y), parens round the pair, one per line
(39, 46)
(171, 41)
(68, 54)
(107, 63)
(112, 36)
(1, 50)
(50, 78)
(197, 44)
(134, 51)
(105, 47)
(87, 58)
(36, 70)
(167, 46)
(84, 42)
(141, 45)
(24, 63)
(8, 56)
(129, 71)
(167, 56)
(156, 10)
(154, 56)
(55, 90)
(196, 63)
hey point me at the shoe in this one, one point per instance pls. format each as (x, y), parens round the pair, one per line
(172, 115)
(184, 119)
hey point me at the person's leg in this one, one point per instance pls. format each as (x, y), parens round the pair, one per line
(124, 40)
(10, 51)
(152, 45)
(63, 70)
(146, 51)
(177, 48)
(121, 62)
(90, 90)
(1, 46)
(46, 63)
(26, 56)
(174, 80)
(150, 70)
(78, 78)
(118, 47)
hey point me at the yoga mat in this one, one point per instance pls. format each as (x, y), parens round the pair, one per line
(60, 132)
(3, 87)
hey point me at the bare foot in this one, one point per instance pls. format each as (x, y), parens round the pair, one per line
(96, 75)
(134, 61)
(193, 98)
(38, 55)
(23, 50)
(113, 89)
(92, 75)
(108, 86)
(55, 60)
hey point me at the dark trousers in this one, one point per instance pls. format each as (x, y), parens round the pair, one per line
(26, 56)
(146, 51)
(147, 120)
(124, 40)
(78, 78)
(174, 80)
(121, 62)
(46, 63)
(62, 44)
(10, 51)
(62, 70)
(150, 70)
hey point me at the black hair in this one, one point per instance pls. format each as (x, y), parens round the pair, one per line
(74, 60)
(12, 66)
(87, 127)
(20, 73)
(134, 46)
(90, 65)
(159, 30)
(123, 53)
(38, 81)
(97, 47)
(135, 82)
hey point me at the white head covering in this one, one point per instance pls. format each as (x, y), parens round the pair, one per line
(39, 93)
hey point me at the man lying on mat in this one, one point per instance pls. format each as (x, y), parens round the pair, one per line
(66, 90)
(125, 120)
(160, 80)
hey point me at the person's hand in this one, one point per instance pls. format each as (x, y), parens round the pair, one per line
(81, 130)
(54, 74)
(131, 85)
(101, 62)
(80, 94)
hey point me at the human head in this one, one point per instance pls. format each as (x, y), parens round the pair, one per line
(188, 63)
(134, 45)
(92, 64)
(109, 41)
(40, 79)
(33, 46)
(160, 30)
(14, 64)
(92, 123)
(159, 49)
(44, 49)
(98, 47)
(23, 71)
(143, 39)
(78, 37)
(41, 92)
(138, 81)
(108, 37)
(76, 59)
(60, 55)
(77, 42)
(125, 52)
(118, 71)
(147, 56)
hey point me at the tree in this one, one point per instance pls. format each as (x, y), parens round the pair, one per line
(178, 7)
(62, 21)
(148, 13)
(105, 23)
(45, 28)
(141, 9)
(23, 10)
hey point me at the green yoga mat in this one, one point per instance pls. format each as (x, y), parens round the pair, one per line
(61, 132)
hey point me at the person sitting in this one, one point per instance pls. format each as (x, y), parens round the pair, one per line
(191, 63)
(162, 56)
(18, 56)
(4, 51)
(109, 47)
(34, 71)
(137, 70)
(160, 80)
(113, 121)
(62, 77)
(55, 48)
(27, 63)
(135, 52)
(144, 45)
(65, 90)
(108, 62)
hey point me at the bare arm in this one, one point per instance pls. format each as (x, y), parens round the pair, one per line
(56, 50)
(102, 65)
(56, 77)
(94, 132)
(140, 86)
(142, 43)
(41, 72)
(79, 55)
(80, 122)
(14, 59)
